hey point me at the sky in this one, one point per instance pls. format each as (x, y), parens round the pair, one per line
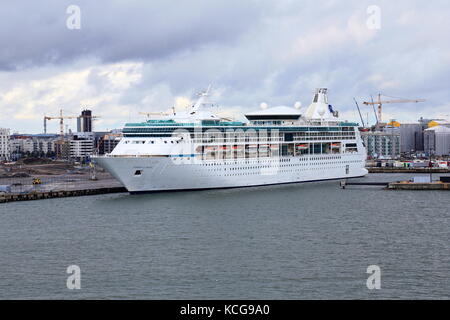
(126, 57)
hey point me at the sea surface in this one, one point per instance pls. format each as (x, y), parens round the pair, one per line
(298, 241)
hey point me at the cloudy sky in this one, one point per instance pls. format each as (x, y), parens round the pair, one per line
(135, 56)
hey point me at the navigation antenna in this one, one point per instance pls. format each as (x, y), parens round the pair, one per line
(202, 96)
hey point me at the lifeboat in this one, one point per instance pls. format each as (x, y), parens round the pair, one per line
(336, 145)
(211, 149)
(302, 146)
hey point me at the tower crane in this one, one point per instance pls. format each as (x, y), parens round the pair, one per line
(381, 102)
(61, 121)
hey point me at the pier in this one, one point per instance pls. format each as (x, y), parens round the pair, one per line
(406, 185)
(345, 183)
(9, 197)
(406, 170)
(402, 185)
(38, 186)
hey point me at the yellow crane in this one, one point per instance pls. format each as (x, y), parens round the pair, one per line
(61, 121)
(381, 102)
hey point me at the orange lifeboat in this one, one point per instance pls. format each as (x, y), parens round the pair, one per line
(302, 146)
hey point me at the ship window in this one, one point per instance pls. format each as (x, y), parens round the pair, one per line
(138, 172)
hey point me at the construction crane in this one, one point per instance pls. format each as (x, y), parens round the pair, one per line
(61, 121)
(381, 102)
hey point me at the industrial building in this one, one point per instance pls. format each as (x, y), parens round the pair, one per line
(4, 144)
(437, 140)
(411, 137)
(392, 140)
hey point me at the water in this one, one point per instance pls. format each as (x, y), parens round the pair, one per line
(304, 241)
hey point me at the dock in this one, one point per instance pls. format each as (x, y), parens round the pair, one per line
(37, 195)
(401, 185)
(406, 185)
(345, 183)
(406, 170)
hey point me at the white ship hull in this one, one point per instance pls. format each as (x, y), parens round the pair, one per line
(177, 173)
(198, 150)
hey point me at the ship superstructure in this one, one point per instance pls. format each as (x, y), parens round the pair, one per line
(196, 149)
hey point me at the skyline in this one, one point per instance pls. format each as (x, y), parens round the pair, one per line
(136, 57)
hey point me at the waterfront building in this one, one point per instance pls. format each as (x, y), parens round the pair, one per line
(38, 145)
(108, 142)
(382, 144)
(4, 144)
(411, 137)
(81, 146)
(437, 140)
(62, 148)
(81, 149)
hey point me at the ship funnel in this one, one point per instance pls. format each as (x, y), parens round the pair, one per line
(319, 108)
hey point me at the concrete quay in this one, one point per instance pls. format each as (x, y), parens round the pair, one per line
(405, 185)
(37, 195)
(406, 170)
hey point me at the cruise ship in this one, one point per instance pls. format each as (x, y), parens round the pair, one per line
(196, 149)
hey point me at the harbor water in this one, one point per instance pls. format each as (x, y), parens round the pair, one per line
(297, 241)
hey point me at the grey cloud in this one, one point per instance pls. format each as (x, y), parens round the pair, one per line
(34, 32)
(244, 48)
